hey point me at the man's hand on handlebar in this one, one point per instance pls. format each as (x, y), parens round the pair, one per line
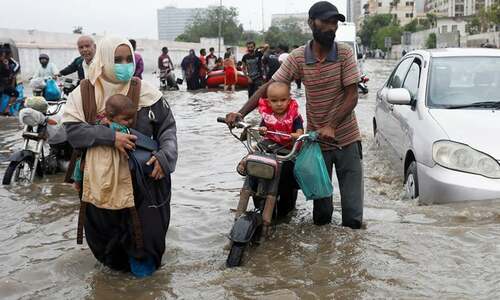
(326, 133)
(263, 131)
(232, 118)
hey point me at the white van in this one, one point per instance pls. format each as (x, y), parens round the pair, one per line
(346, 33)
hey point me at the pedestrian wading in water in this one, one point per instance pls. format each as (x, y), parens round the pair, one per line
(330, 74)
(125, 211)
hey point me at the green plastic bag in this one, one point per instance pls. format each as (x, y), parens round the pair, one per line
(310, 171)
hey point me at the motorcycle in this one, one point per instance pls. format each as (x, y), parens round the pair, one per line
(263, 164)
(42, 122)
(362, 86)
(168, 81)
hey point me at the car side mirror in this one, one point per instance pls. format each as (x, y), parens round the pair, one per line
(399, 96)
(360, 55)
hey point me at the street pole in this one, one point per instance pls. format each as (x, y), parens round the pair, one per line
(220, 25)
(262, 4)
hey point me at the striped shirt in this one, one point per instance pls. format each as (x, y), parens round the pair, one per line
(325, 83)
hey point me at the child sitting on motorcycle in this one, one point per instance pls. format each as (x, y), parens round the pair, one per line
(280, 114)
(118, 114)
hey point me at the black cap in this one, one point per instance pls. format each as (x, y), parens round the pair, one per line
(324, 10)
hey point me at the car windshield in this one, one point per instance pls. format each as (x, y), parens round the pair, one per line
(462, 81)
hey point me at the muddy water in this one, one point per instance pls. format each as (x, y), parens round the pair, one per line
(406, 250)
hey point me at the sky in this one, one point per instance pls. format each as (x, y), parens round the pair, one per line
(132, 18)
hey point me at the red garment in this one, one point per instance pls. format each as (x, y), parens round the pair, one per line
(283, 124)
(230, 76)
(203, 67)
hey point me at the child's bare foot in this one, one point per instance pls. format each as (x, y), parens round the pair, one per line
(76, 186)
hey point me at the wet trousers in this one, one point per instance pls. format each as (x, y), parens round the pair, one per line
(349, 169)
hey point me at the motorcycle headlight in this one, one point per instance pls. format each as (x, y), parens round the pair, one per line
(463, 158)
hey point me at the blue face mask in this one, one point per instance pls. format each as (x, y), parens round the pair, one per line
(124, 72)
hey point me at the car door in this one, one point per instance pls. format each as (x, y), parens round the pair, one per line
(402, 114)
(386, 125)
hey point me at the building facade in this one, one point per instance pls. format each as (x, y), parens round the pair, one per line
(456, 8)
(173, 21)
(403, 10)
(353, 10)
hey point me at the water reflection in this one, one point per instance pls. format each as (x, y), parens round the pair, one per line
(406, 250)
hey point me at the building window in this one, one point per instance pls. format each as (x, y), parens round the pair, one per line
(444, 28)
(454, 28)
(380, 4)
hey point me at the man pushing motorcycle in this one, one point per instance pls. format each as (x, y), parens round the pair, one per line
(330, 74)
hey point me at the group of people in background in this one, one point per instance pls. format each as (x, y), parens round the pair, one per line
(258, 64)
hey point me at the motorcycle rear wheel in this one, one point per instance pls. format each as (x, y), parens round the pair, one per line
(235, 255)
(18, 171)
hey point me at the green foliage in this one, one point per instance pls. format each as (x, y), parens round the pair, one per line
(371, 25)
(250, 35)
(417, 25)
(392, 31)
(206, 24)
(431, 41)
(431, 19)
(485, 19)
(286, 32)
(473, 25)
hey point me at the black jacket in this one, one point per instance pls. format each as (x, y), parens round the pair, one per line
(75, 66)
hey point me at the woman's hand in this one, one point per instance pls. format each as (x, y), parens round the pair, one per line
(124, 142)
(157, 170)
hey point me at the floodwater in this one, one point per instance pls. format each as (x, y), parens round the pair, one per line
(406, 251)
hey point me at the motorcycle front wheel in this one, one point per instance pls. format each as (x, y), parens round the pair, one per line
(18, 171)
(235, 255)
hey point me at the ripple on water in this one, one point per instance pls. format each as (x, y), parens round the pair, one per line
(406, 251)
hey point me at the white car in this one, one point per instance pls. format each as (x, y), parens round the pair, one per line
(440, 113)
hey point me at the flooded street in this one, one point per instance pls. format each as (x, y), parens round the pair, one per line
(406, 251)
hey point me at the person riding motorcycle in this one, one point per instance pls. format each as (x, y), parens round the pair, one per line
(166, 67)
(45, 71)
(46, 68)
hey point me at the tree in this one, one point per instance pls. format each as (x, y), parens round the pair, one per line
(431, 41)
(78, 29)
(473, 25)
(417, 25)
(371, 24)
(392, 31)
(286, 32)
(251, 35)
(432, 19)
(206, 24)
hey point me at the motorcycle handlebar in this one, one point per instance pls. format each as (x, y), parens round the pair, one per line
(296, 144)
(237, 124)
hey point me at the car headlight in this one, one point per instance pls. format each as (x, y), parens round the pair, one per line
(463, 158)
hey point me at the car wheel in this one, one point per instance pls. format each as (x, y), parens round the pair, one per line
(411, 180)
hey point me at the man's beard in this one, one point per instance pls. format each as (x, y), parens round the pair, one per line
(324, 38)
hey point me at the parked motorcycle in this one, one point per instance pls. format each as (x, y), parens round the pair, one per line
(362, 86)
(263, 164)
(43, 126)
